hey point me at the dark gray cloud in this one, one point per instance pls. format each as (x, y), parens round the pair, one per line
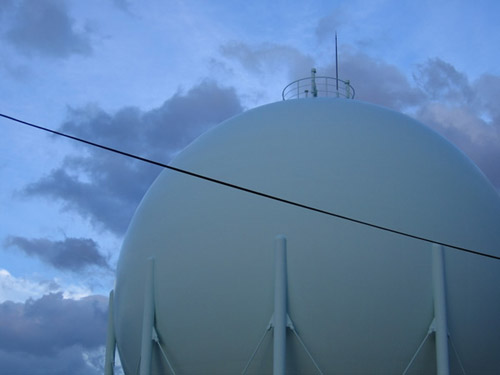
(440, 96)
(465, 112)
(477, 138)
(106, 188)
(44, 27)
(160, 132)
(108, 194)
(377, 82)
(73, 254)
(440, 80)
(51, 335)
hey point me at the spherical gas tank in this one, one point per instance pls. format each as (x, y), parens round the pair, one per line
(360, 298)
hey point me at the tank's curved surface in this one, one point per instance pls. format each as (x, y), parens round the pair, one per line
(360, 298)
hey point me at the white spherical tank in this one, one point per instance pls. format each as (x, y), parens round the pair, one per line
(361, 299)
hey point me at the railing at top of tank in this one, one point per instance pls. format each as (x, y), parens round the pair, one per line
(318, 86)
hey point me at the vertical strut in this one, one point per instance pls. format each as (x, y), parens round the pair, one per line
(439, 291)
(148, 320)
(280, 308)
(109, 362)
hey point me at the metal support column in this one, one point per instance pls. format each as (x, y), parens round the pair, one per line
(109, 362)
(440, 319)
(148, 320)
(280, 308)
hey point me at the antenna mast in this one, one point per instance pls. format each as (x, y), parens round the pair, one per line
(336, 63)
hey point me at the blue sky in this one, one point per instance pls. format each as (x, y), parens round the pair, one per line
(148, 78)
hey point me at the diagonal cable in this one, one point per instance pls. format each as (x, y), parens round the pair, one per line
(251, 191)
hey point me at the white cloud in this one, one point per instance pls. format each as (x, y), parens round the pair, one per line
(18, 289)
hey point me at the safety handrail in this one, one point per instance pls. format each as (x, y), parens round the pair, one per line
(318, 86)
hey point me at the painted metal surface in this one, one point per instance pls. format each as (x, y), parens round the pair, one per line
(109, 360)
(440, 318)
(148, 318)
(280, 311)
(361, 300)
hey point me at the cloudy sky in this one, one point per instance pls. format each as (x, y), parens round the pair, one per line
(148, 77)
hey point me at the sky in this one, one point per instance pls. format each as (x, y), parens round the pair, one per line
(148, 77)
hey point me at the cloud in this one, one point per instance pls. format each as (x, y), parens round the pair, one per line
(465, 128)
(123, 5)
(71, 360)
(44, 27)
(18, 289)
(268, 58)
(377, 82)
(464, 112)
(438, 95)
(458, 122)
(52, 335)
(72, 254)
(440, 80)
(106, 188)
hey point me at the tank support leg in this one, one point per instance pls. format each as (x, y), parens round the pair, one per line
(280, 306)
(440, 319)
(109, 364)
(148, 320)
(280, 320)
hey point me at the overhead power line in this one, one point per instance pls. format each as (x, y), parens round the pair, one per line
(251, 191)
